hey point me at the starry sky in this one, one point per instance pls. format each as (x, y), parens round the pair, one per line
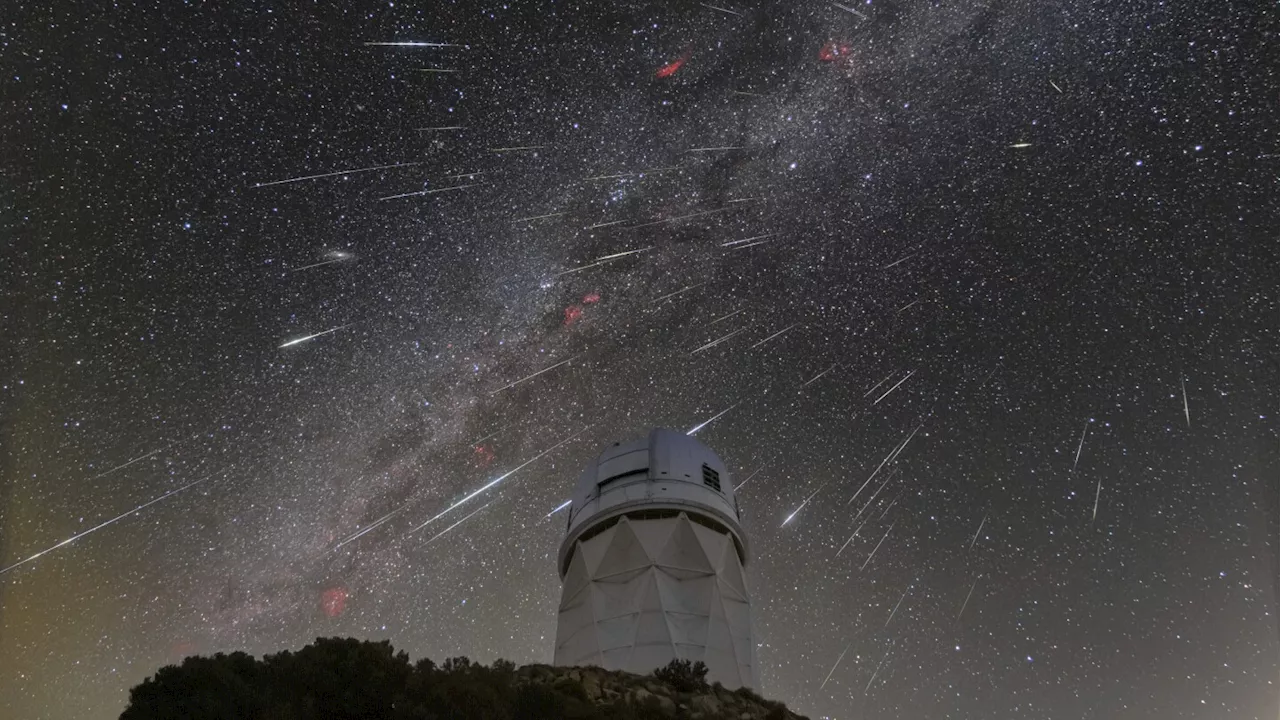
(313, 312)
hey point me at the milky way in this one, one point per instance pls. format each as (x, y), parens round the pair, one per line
(980, 298)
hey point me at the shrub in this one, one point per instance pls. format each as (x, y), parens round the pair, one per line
(683, 676)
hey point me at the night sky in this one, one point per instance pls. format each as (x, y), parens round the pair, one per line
(983, 297)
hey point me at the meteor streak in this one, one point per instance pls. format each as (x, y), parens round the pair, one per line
(99, 526)
(678, 292)
(877, 547)
(428, 192)
(899, 260)
(411, 43)
(851, 10)
(442, 128)
(895, 387)
(468, 517)
(560, 507)
(979, 532)
(1080, 447)
(714, 343)
(1186, 409)
(335, 173)
(873, 387)
(121, 467)
(601, 261)
(310, 337)
(530, 377)
(1097, 494)
(335, 256)
(817, 377)
(743, 240)
(966, 597)
(877, 672)
(680, 217)
(694, 430)
(895, 607)
(517, 147)
(371, 527)
(726, 317)
(744, 482)
(714, 149)
(806, 502)
(1020, 145)
(783, 330)
(833, 667)
(1055, 86)
(723, 10)
(540, 217)
(493, 482)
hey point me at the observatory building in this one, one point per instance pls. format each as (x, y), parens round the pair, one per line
(653, 564)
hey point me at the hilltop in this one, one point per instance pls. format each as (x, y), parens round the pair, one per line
(341, 679)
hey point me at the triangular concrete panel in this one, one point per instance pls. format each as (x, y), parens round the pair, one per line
(624, 553)
(684, 550)
(593, 550)
(654, 535)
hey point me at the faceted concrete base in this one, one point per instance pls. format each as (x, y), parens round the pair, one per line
(647, 591)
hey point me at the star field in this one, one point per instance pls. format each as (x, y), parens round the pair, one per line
(313, 313)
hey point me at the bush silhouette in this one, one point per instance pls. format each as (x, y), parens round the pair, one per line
(683, 676)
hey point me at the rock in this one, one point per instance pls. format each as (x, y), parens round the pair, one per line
(706, 704)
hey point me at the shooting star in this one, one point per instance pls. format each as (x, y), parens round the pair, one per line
(1097, 494)
(334, 256)
(806, 502)
(601, 261)
(1055, 86)
(780, 332)
(353, 171)
(717, 341)
(818, 377)
(516, 148)
(979, 532)
(899, 260)
(966, 597)
(681, 291)
(750, 245)
(530, 377)
(716, 149)
(411, 43)
(371, 527)
(560, 507)
(1081, 447)
(877, 547)
(895, 607)
(850, 10)
(540, 217)
(895, 387)
(1021, 145)
(694, 430)
(726, 317)
(99, 526)
(435, 70)
(731, 243)
(873, 387)
(723, 10)
(429, 192)
(744, 482)
(441, 534)
(127, 464)
(442, 128)
(1186, 409)
(886, 510)
(886, 460)
(877, 672)
(907, 306)
(833, 667)
(605, 224)
(296, 341)
(851, 537)
(677, 218)
(493, 482)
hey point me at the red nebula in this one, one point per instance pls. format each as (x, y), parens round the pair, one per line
(667, 71)
(333, 601)
(484, 456)
(833, 51)
(591, 297)
(571, 314)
